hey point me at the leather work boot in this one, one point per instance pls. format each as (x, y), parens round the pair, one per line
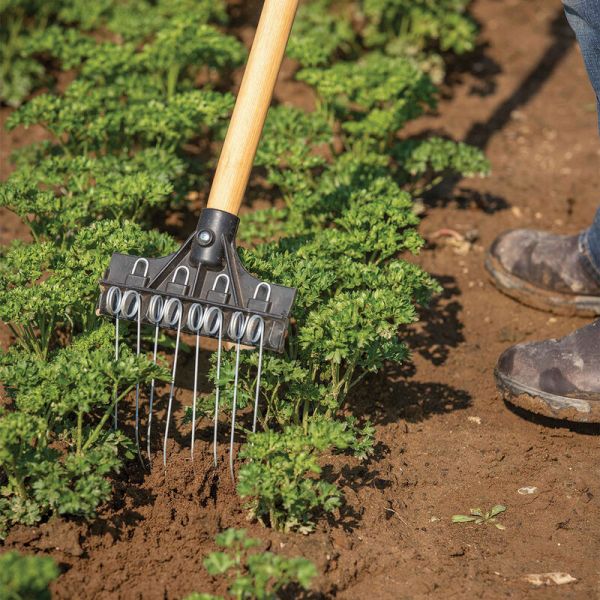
(547, 271)
(558, 378)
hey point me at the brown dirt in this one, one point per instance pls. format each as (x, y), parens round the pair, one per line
(445, 441)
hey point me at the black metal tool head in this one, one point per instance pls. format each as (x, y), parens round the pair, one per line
(202, 288)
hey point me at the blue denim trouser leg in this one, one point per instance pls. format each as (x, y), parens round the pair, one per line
(589, 244)
(584, 18)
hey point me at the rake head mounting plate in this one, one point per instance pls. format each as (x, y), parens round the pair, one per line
(206, 272)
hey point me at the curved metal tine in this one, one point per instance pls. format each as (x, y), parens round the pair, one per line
(116, 415)
(257, 336)
(195, 394)
(177, 317)
(225, 278)
(217, 326)
(236, 331)
(113, 306)
(267, 286)
(143, 261)
(185, 270)
(156, 310)
(129, 311)
(233, 410)
(138, 350)
(194, 322)
(151, 401)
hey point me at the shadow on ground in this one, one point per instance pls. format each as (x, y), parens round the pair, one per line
(547, 422)
(409, 401)
(563, 40)
(439, 329)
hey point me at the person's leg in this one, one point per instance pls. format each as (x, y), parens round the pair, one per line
(559, 378)
(584, 18)
(548, 271)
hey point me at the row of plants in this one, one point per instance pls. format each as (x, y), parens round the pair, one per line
(398, 27)
(111, 159)
(24, 23)
(150, 94)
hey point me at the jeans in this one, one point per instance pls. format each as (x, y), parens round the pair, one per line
(584, 18)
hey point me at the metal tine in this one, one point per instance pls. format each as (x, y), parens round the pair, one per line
(195, 321)
(257, 337)
(237, 328)
(116, 418)
(113, 306)
(171, 319)
(143, 262)
(218, 326)
(130, 309)
(156, 311)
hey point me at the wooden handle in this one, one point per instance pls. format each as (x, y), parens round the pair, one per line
(250, 112)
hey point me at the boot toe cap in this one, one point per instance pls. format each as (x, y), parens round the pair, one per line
(535, 368)
(508, 247)
(515, 362)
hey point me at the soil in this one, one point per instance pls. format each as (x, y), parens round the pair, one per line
(445, 441)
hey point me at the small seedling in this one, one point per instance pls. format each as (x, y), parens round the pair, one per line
(478, 516)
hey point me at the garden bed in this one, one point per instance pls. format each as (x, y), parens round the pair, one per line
(444, 442)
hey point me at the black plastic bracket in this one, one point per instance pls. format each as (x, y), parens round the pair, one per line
(206, 270)
(216, 229)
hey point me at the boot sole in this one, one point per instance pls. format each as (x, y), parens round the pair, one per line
(562, 408)
(526, 293)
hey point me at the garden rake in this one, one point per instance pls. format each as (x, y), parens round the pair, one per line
(203, 289)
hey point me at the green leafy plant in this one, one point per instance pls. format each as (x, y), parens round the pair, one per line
(281, 477)
(423, 30)
(253, 575)
(34, 29)
(26, 577)
(479, 517)
(420, 22)
(137, 20)
(55, 447)
(319, 34)
(18, 72)
(375, 96)
(422, 164)
(65, 295)
(92, 112)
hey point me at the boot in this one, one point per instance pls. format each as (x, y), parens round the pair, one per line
(558, 378)
(546, 271)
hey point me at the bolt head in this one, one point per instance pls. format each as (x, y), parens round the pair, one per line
(205, 237)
